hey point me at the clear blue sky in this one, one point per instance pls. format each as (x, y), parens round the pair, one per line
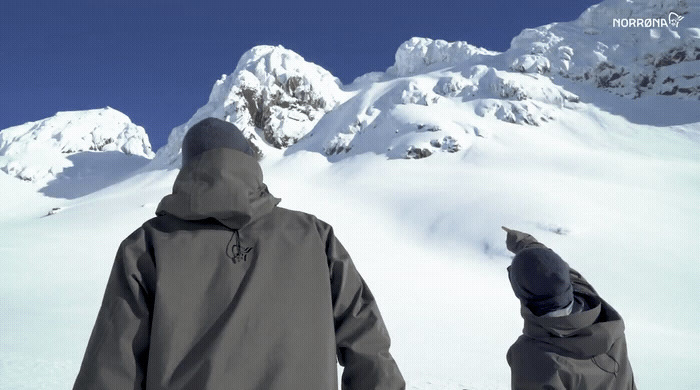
(156, 61)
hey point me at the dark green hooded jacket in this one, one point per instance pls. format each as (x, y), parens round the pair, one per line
(585, 350)
(225, 290)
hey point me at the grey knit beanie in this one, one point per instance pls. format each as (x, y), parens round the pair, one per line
(541, 280)
(212, 133)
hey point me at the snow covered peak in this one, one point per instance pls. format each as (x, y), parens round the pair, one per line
(274, 96)
(627, 47)
(416, 54)
(277, 70)
(37, 151)
(444, 96)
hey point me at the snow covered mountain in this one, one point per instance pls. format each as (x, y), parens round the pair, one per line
(39, 151)
(282, 102)
(274, 96)
(627, 47)
(440, 107)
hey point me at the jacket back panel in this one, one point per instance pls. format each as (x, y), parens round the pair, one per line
(263, 322)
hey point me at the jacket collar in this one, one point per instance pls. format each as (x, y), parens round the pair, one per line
(224, 184)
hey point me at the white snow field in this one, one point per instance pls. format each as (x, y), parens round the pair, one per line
(416, 168)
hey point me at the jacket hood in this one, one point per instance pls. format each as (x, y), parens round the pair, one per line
(224, 184)
(583, 335)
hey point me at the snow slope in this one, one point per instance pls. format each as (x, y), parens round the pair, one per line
(621, 208)
(417, 168)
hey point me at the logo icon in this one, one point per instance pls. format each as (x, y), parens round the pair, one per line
(674, 19)
(236, 252)
(239, 254)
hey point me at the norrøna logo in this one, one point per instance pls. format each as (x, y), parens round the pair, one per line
(673, 20)
(239, 254)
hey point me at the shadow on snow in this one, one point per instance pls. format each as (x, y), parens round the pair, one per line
(91, 172)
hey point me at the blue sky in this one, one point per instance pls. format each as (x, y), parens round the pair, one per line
(156, 61)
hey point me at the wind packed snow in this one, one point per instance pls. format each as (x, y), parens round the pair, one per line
(416, 168)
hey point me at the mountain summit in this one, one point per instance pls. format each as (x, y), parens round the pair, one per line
(274, 96)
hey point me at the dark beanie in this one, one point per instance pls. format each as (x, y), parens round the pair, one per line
(212, 133)
(540, 279)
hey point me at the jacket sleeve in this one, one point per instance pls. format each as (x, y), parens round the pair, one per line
(516, 241)
(362, 340)
(581, 284)
(117, 352)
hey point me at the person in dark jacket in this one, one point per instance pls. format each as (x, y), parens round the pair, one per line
(572, 338)
(223, 289)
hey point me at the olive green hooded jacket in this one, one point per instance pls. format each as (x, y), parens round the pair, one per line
(225, 290)
(585, 350)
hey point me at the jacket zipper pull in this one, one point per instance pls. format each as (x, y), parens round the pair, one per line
(236, 253)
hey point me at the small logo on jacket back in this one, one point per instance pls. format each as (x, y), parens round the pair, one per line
(239, 253)
(235, 251)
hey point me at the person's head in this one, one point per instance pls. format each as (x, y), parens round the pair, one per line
(541, 280)
(212, 133)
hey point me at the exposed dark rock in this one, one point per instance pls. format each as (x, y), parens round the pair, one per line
(416, 153)
(337, 149)
(644, 82)
(671, 92)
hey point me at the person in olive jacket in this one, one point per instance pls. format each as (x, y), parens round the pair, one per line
(572, 338)
(223, 289)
